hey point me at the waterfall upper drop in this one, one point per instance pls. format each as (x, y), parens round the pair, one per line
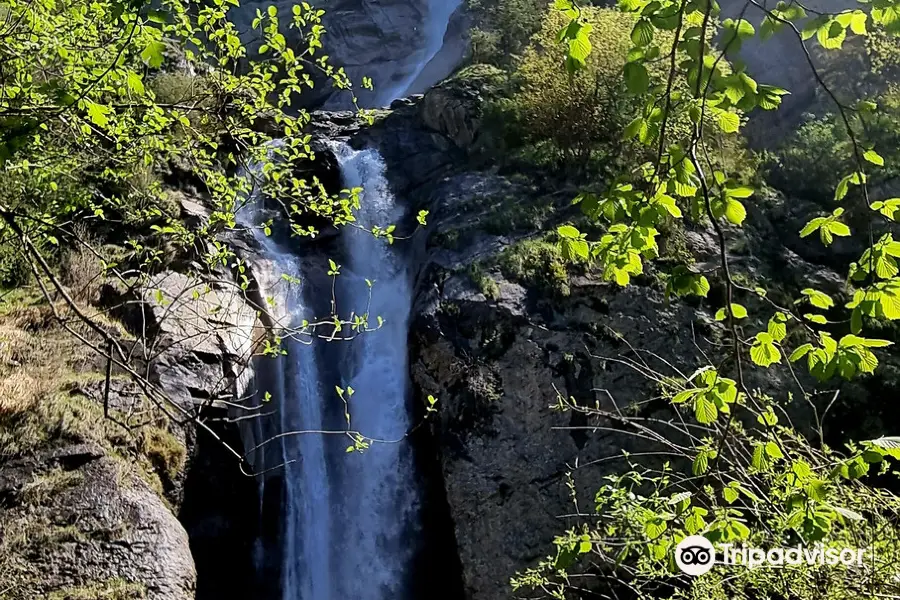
(348, 520)
(424, 74)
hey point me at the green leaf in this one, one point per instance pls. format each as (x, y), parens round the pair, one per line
(729, 122)
(567, 231)
(874, 158)
(735, 212)
(701, 463)
(739, 192)
(731, 494)
(774, 451)
(838, 228)
(760, 460)
(768, 417)
(97, 113)
(636, 78)
(668, 202)
(655, 527)
(763, 352)
(832, 35)
(642, 34)
(812, 226)
(134, 83)
(705, 410)
(818, 299)
(580, 47)
(684, 396)
(843, 187)
(858, 22)
(153, 54)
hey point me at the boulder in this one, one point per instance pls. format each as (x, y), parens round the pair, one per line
(77, 523)
(202, 332)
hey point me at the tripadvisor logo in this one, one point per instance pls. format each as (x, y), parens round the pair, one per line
(695, 555)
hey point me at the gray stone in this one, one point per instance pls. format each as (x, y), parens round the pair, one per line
(91, 525)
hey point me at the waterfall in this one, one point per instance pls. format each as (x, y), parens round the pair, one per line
(349, 521)
(294, 384)
(437, 20)
(347, 518)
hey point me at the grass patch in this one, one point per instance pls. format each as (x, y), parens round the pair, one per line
(483, 281)
(112, 589)
(537, 263)
(46, 485)
(42, 367)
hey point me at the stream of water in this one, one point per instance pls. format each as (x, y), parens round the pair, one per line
(349, 520)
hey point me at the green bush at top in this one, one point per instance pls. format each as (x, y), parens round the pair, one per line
(503, 28)
(583, 113)
(814, 159)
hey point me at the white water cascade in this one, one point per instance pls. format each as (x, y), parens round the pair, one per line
(349, 520)
(378, 494)
(437, 20)
(294, 386)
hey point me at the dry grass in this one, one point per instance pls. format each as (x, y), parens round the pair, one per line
(47, 485)
(81, 270)
(113, 589)
(41, 368)
(20, 538)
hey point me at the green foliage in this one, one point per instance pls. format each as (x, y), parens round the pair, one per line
(15, 268)
(727, 463)
(111, 114)
(503, 28)
(537, 263)
(579, 113)
(484, 282)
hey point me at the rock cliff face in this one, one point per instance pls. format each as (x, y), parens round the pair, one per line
(88, 527)
(398, 43)
(498, 343)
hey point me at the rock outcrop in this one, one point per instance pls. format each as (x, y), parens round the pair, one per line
(399, 44)
(78, 523)
(499, 346)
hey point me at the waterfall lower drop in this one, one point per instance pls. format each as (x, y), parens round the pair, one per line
(378, 489)
(294, 385)
(347, 518)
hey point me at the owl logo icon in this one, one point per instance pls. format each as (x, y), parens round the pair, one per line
(695, 555)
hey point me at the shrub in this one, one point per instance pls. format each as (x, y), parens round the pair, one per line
(586, 112)
(483, 281)
(813, 159)
(15, 269)
(820, 153)
(179, 87)
(503, 28)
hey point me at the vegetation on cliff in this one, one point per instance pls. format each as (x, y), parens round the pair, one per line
(732, 461)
